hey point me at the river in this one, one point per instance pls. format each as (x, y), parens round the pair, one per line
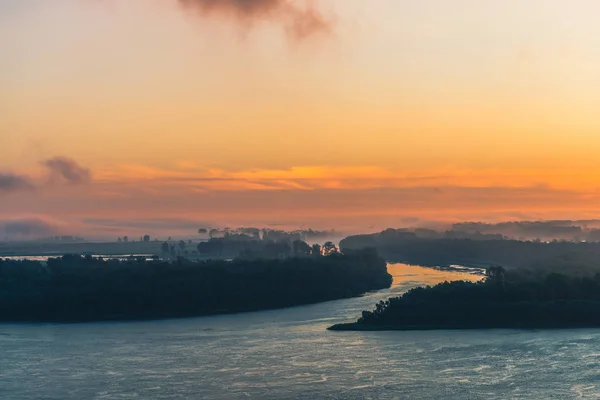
(289, 354)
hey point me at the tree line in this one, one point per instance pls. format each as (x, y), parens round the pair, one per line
(75, 288)
(243, 246)
(573, 258)
(506, 299)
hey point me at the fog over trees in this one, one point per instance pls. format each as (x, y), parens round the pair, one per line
(402, 246)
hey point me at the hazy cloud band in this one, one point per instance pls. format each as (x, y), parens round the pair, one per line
(300, 19)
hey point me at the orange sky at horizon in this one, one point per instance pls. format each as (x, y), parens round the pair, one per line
(400, 112)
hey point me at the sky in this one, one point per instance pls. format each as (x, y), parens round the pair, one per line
(157, 116)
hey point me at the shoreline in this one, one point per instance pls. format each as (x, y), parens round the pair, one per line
(356, 327)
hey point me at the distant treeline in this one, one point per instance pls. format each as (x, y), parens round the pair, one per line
(248, 247)
(504, 300)
(269, 234)
(75, 288)
(400, 246)
(576, 231)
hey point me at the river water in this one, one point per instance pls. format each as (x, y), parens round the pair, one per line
(288, 354)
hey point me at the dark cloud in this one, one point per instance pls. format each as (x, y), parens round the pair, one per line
(299, 21)
(67, 170)
(11, 182)
(29, 227)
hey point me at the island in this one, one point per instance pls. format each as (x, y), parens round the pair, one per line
(505, 299)
(76, 288)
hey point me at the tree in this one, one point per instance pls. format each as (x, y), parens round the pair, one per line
(330, 248)
(203, 231)
(300, 248)
(316, 250)
(277, 249)
(165, 248)
(119, 240)
(181, 245)
(146, 238)
(496, 274)
(125, 239)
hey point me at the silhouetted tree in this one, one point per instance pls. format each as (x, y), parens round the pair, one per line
(316, 250)
(165, 248)
(146, 238)
(330, 248)
(526, 300)
(300, 248)
(495, 274)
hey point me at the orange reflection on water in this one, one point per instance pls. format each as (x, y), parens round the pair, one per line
(404, 273)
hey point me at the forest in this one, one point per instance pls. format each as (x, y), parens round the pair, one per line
(505, 299)
(573, 258)
(78, 289)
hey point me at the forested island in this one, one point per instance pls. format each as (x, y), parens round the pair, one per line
(79, 289)
(506, 299)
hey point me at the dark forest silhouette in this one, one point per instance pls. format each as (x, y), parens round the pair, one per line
(572, 258)
(518, 299)
(75, 288)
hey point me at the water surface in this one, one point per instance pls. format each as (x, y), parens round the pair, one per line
(289, 354)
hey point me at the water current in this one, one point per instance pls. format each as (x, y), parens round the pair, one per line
(289, 354)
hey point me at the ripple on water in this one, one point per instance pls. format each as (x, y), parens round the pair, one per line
(288, 354)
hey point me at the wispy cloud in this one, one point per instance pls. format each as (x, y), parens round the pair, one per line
(300, 19)
(67, 170)
(60, 170)
(29, 226)
(348, 177)
(146, 198)
(10, 182)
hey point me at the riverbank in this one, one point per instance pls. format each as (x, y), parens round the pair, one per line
(503, 301)
(356, 327)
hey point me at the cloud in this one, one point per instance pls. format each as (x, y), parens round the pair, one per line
(67, 170)
(159, 201)
(29, 227)
(299, 21)
(306, 178)
(11, 182)
(149, 224)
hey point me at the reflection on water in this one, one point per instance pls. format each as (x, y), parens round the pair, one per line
(121, 257)
(404, 273)
(288, 354)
